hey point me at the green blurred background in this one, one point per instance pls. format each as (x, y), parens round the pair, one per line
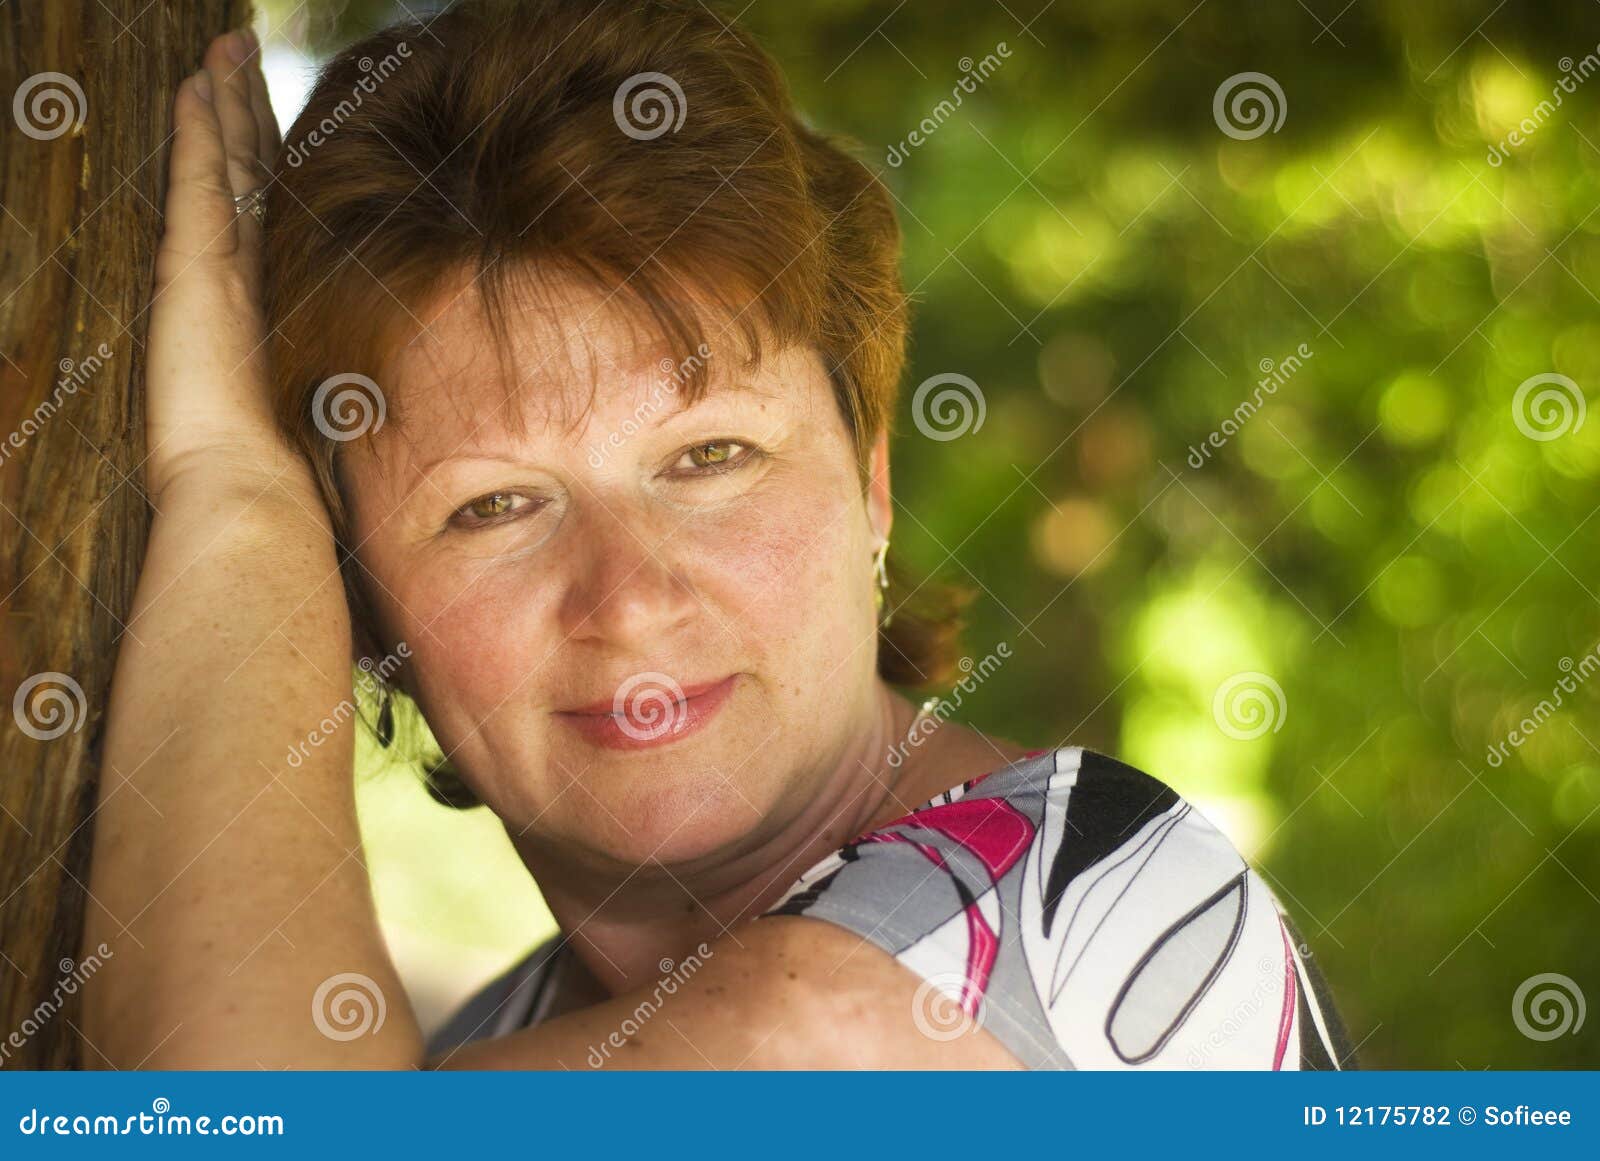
(1317, 630)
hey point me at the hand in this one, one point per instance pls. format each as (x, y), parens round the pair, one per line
(207, 384)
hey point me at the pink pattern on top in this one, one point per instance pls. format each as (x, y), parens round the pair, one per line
(997, 835)
(1087, 916)
(1290, 992)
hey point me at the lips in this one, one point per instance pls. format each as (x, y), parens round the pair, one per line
(648, 710)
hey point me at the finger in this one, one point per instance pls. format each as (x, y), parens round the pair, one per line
(228, 61)
(199, 214)
(261, 104)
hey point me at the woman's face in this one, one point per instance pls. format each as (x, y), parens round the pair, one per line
(642, 630)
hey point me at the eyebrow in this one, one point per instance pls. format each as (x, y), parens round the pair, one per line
(660, 414)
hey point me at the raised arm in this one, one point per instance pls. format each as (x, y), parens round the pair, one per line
(227, 885)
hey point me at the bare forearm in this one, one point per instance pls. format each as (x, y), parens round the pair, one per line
(229, 883)
(779, 993)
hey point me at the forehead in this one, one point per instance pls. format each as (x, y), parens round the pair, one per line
(565, 350)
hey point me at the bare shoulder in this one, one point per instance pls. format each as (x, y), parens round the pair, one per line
(863, 1008)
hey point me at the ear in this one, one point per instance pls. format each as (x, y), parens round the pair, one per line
(880, 504)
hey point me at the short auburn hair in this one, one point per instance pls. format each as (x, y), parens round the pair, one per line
(649, 147)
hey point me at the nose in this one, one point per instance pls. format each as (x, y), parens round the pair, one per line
(626, 588)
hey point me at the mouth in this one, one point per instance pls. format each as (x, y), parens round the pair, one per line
(648, 710)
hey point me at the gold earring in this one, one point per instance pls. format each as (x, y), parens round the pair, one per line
(881, 569)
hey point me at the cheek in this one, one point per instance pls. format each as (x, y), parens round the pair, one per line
(474, 634)
(785, 568)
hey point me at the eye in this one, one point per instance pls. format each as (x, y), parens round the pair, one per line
(717, 455)
(492, 508)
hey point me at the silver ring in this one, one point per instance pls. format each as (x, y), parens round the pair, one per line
(253, 203)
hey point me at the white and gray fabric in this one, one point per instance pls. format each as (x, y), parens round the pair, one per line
(1088, 917)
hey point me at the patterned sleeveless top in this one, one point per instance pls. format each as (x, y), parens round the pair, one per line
(1073, 906)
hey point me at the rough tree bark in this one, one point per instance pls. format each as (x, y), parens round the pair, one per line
(83, 157)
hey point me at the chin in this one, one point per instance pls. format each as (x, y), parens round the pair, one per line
(673, 810)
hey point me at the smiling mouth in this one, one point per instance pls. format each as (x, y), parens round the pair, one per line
(648, 710)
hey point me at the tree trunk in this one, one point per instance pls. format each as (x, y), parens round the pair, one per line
(83, 163)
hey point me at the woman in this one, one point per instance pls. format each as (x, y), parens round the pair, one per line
(561, 397)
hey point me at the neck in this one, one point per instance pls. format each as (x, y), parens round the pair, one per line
(624, 921)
